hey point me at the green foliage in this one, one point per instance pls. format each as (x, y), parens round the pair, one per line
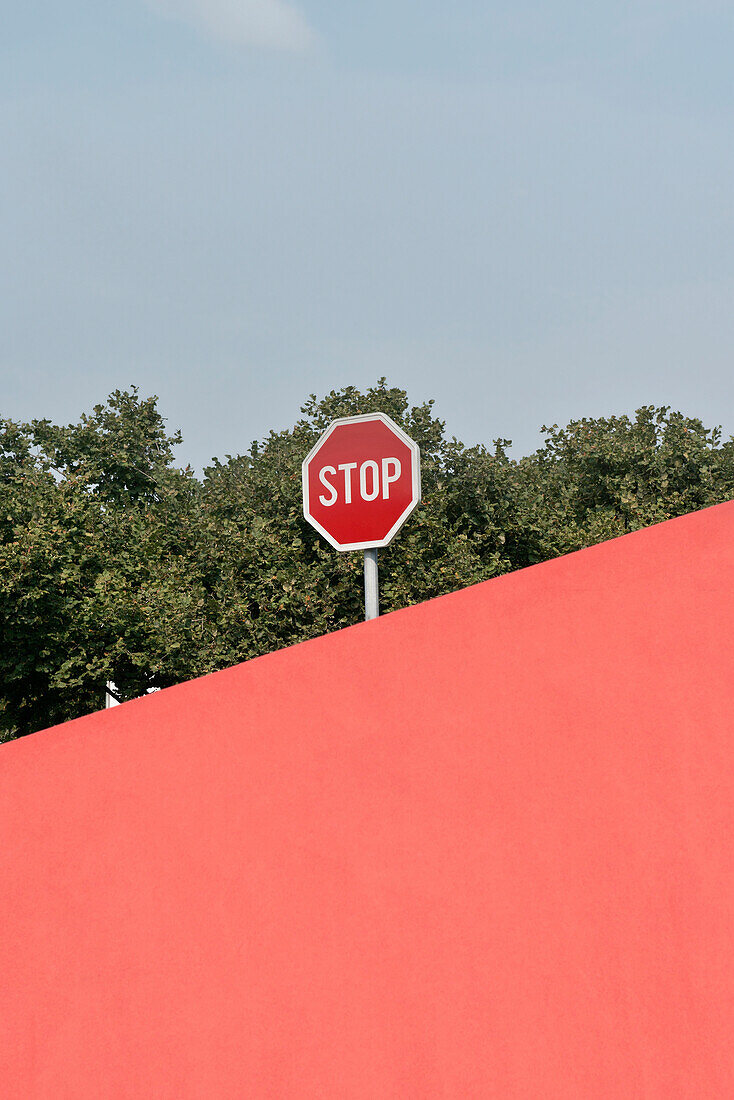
(116, 565)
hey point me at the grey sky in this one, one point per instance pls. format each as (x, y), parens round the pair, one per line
(524, 210)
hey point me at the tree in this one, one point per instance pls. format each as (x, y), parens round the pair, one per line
(117, 565)
(596, 479)
(80, 508)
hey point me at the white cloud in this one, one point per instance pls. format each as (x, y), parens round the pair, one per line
(270, 24)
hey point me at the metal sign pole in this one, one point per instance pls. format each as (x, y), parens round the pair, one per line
(371, 585)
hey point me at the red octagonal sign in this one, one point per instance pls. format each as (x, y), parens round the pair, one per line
(361, 481)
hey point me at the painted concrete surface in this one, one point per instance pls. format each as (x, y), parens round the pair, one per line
(479, 848)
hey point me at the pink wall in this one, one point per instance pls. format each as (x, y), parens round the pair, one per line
(479, 848)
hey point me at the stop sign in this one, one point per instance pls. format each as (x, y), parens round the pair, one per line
(361, 481)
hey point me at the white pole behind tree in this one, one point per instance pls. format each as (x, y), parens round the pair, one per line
(110, 695)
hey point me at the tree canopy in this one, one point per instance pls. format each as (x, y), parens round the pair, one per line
(116, 564)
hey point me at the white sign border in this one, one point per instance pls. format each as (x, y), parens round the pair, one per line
(416, 452)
